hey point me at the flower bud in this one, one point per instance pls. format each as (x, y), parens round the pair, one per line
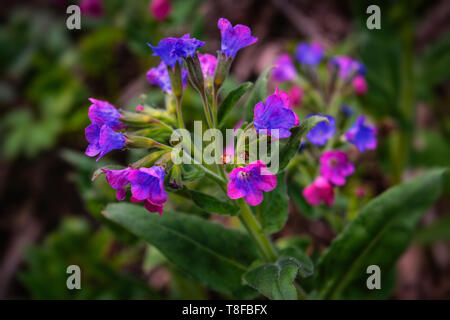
(140, 142)
(175, 80)
(175, 180)
(222, 68)
(149, 160)
(195, 73)
(135, 119)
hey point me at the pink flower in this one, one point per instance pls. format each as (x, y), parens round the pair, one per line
(335, 167)
(296, 96)
(360, 85)
(208, 64)
(160, 9)
(249, 182)
(320, 190)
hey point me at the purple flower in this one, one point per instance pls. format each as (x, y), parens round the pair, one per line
(234, 38)
(322, 132)
(208, 64)
(102, 112)
(284, 70)
(275, 113)
(93, 8)
(319, 191)
(147, 184)
(362, 135)
(309, 54)
(347, 66)
(172, 50)
(118, 179)
(335, 167)
(159, 76)
(249, 182)
(102, 140)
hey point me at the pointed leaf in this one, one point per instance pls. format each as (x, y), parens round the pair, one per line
(212, 204)
(213, 255)
(377, 236)
(231, 100)
(258, 93)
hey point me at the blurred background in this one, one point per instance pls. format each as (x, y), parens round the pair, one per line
(50, 213)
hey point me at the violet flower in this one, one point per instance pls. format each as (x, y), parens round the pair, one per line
(322, 132)
(249, 182)
(275, 113)
(234, 38)
(309, 54)
(118, 179)
(362, 135)
(284, 69)
(172, 50)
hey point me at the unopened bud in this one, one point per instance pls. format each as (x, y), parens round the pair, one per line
(176, 80)
(175, 180)
(222, 68)
(133, 141)
(195, 73)
(149, 160)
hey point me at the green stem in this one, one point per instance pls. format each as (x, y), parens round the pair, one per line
(214, 105)
(179, 113)
(206, 110)
(253, 227)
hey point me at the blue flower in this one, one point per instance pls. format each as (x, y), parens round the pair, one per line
(234, 38)
(160, 76)
(322, 132)
(309, 54)
(362, 135)
(275, 113)
(172, 50)
(102, 140)
(346, 110)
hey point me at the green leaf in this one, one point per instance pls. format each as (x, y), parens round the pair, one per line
(297, 133)
(377, 236)
(231, 100)
(275, 280)
(211, 254)
(258, 93)
(192, 172)
(273, 211)
(305, 265)
(212, 204)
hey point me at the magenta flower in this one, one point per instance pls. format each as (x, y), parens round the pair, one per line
(319, 191)
(160, 9)
(284, 69)
(234, 38)
(347, 66)
(309, 54)
(147, 185)
(335, 166)
(322, 132)
(249, 182)
(295, 95)
(360, 85)
(208, 64)
(172, 50)
(159, 76)
(275, 113)
(362, 135)
(93, 8)
(118, 179)
(102, 140)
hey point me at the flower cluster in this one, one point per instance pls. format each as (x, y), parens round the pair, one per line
(345, 76)
(149, 177)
